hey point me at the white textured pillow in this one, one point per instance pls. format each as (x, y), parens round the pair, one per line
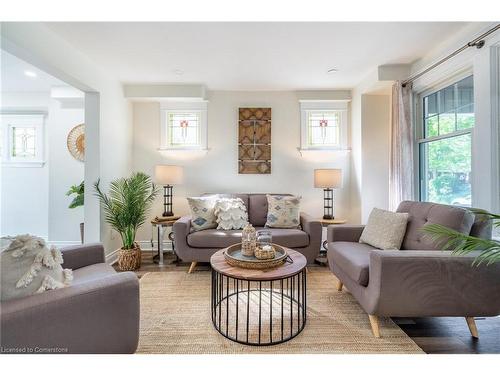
(202, 212)
(30, 267)
(231, 213)
(385, 229)
(283, 211)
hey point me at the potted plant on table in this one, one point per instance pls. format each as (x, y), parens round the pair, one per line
(77, 201)
(125, 209)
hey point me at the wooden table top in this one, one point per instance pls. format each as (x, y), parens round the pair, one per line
(219, 264)
(167, 221)
(326, 222)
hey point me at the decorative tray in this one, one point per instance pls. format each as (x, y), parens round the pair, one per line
(235, 258)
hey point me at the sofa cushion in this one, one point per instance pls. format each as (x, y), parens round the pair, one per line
(213, 238)
(257, 209)
(93, 272)
(353, 258)
(283, 211)
(422, 213)
(243, 197)
(385, 229)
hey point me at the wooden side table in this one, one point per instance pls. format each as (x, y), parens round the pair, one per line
(160, 224)
(322, 253)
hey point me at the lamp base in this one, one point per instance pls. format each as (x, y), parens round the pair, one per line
(328, 217)
(167, 214)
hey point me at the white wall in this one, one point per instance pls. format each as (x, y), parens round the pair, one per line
(34, 198)
(217, 171)
(64, 171)
(24, 191)
(108, 128)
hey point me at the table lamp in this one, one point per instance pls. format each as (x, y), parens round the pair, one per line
(168, 175)
(328, 179)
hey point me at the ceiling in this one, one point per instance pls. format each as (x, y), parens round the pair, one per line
(253, 56)
(14, 79)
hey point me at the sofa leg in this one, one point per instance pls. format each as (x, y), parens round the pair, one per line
(472, 326)
(192, 267)
(339, 285)
(374, 324)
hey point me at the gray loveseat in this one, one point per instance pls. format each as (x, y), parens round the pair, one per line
(420, 279)
(98, 313)
(201, 245)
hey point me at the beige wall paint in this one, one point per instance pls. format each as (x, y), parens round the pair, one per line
(375, 156)
(217, 171)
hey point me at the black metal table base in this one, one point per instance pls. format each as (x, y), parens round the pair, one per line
(259, 312)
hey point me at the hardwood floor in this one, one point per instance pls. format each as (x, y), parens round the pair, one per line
(433, 335)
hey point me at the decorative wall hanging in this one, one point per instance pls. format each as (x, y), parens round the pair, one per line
(76, 142)
(254, 141)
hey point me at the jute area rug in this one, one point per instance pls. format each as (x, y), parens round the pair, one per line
(175, 319)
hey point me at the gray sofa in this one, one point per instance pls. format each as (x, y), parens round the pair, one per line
(201, 245)
(420, 280)
(98, 313)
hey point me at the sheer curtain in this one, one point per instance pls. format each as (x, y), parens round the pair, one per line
(401, 177)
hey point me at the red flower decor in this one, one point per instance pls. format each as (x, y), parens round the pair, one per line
(323, 123)
(184, 124)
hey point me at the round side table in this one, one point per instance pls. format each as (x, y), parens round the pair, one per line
(160, 224)
(259, 307)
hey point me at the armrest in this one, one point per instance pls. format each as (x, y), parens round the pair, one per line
(99, 316)
(182, 227)
(310, 225)
(433, 283)
(348, 233)
(82, 255)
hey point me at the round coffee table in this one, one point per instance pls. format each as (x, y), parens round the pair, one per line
(259, 307)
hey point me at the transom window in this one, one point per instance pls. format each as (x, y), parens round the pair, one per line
(22, 139)
(323, 125)
(446, 142)
(184, 126)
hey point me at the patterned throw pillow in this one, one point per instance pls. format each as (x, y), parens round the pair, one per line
(385, 229)
(202, 212)
(29, 266)
(283, 211)
(231, 213)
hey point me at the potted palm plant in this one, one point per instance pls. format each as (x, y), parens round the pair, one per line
(125, 209)
(77, 201)
(461, 244)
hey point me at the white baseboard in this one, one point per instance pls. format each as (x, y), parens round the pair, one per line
(146, 245)
(112, 257)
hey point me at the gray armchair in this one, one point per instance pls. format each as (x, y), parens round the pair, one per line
(420, 280)
(98, 313)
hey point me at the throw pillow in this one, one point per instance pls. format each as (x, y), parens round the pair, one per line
(231, 213)
(385, 229)
(283, 211)
(29, 266)
(202, 212)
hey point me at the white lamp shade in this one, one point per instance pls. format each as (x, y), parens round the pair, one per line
(168, 174)
(327, 178)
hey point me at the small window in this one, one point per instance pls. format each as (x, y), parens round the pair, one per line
(184, 126)
(446, 143)
(23, 140)
(323, 125)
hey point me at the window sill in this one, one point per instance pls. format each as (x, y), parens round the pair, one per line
(184, 153)
(323, 151)
(23, 164)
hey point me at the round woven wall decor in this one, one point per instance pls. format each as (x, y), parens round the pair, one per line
(76, 142)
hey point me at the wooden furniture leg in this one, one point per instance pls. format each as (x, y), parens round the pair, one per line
(374, 324)
(339, 285)
(472, 326)
(192, 267)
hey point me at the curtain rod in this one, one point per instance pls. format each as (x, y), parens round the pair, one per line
(478, 43)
